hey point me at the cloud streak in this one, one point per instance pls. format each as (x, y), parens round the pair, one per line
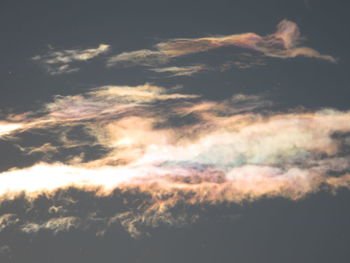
(180, 71)
(284, 43)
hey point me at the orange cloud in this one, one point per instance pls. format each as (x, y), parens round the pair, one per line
(284, 43)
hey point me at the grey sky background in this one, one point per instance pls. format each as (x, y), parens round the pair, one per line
(312, 229)
(30, 29)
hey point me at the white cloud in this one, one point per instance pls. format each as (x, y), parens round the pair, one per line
(180, 71)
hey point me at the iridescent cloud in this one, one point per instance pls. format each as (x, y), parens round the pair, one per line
(177, 148)
(180, 71)
(284, 43)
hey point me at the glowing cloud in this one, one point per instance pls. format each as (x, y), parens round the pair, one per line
(180, 71)
(214, 152)
(284, 43)
(8, 127)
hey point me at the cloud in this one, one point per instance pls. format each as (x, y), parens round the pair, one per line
(56, 225)
(59, 62)
(284, 43)
(7, 221)
(56, 69)
(142, 57)
(243, 61)
(8, 127)
(36, 216)
(180, 71)
(173, 149)
(102, 103)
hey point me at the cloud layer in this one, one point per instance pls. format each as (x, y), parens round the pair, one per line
(176, 149)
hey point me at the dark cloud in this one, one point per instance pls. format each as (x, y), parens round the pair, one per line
(89, 228)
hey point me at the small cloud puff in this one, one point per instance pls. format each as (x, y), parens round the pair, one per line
(59, 62)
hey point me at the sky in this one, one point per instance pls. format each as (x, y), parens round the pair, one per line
(174, 131)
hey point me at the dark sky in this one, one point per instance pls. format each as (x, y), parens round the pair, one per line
(29, 28)
(313, 228)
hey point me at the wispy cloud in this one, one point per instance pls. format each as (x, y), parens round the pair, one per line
(180, 71)
(243, 61)
(142, 57)
(59, 62)
(284, 43)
